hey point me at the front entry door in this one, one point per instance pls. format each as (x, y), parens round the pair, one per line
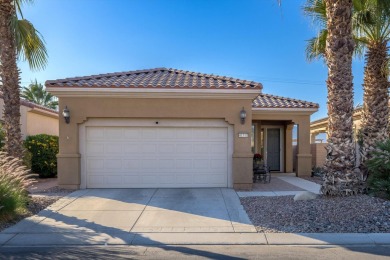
(273, 148)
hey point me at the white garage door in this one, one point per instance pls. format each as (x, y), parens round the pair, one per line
(152, 157)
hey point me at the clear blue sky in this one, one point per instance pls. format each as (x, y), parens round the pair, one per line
(247, 39)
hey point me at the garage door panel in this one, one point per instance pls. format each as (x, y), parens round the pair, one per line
(218, 165)
(95, 133)
(150, 164)
(113, 148)
(131, 164)
(166, 133)
(183, 134)
(132, 133)
(114, 133)
(95, 148)
(150, 134)
(141, 157)
(217, 149)
(113, 164)
(201, 164)
(167, 163)
(148, 148)
(131, 147)
(219, 134)
(184, 148)
(95, 165)
(183, 164)
(210, 178)
(166, 148)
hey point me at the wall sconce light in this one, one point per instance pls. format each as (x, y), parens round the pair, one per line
(66, 114)
(242, 115)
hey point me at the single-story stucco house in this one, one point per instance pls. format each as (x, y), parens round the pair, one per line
(34, 119)
(172, 128)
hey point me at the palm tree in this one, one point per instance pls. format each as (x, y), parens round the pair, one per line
(338, 46)
(36, 93)
(372, 27)
(18, 39)
(371, 31)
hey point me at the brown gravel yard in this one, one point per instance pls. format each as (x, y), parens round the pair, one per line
(355, 214)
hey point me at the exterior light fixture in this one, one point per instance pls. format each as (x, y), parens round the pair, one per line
(242, 115)
(66, 114)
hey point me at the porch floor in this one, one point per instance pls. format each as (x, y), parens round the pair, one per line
(281, 185)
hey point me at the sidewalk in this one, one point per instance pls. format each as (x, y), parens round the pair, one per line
(281, 185)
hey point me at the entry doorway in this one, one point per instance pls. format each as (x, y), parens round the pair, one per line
(269, 142)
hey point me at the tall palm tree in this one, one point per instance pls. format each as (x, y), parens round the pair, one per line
(371, 26)
(36, 93)
(338, 46)
(18, 39)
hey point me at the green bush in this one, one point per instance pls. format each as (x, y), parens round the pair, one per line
(14, 180)
(44, 149)
(379, 170)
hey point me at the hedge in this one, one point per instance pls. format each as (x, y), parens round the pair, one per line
(43, 149)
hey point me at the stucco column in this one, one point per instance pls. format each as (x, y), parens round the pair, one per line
(289, 148)
(304, 152)
(242, 155)
(313, 137)
(68, 158)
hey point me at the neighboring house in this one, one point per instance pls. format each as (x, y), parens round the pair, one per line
(172, 128)
(320, 126)
(34, 119)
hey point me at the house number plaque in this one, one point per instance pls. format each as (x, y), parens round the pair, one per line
(243, 135)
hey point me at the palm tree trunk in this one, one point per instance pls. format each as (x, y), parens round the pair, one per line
(375, 119)
(340, 178)
(10, 81)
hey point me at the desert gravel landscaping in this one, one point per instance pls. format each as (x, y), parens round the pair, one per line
(355, 214)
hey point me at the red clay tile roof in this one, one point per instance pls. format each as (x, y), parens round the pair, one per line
(155, 78)
(30, 104)
(270, 101)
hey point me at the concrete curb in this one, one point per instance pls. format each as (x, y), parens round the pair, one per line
(139, 239)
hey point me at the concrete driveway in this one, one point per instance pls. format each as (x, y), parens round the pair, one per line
(131, 216)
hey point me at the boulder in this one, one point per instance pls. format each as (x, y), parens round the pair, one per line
(305, 195)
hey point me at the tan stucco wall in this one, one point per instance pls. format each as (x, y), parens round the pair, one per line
(319, 154)
(81, 109)
(303, 167)
(41, 124)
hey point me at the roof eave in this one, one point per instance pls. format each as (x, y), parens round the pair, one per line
(155, 92)
(307, 111)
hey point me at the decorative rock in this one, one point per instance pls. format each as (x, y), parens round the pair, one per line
(305, 195)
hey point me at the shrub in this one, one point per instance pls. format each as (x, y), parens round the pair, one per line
(44, 149)
(379, 170)
(14, 180)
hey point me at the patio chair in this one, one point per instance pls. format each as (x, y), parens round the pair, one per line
(261, 173)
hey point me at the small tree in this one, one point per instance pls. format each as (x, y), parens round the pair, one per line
(36, 93)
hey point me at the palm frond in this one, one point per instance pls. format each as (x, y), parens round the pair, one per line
(30, 44)
(315, 47)
(18, 4)
(316, 9)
